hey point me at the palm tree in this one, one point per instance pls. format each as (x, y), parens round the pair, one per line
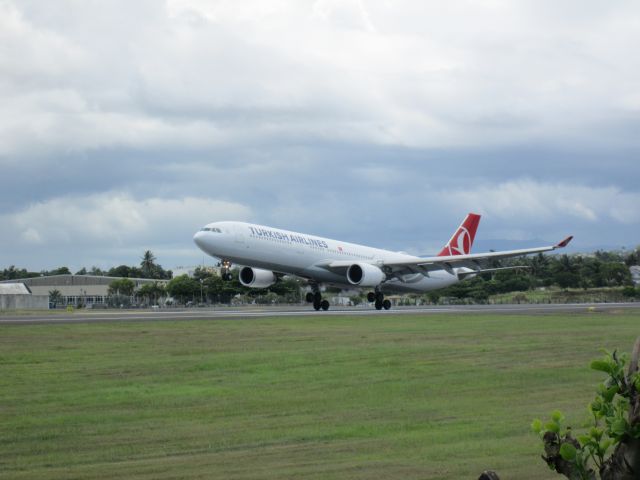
(148, 264)
(55, 297)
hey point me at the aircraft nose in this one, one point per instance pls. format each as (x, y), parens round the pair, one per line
(198, 238)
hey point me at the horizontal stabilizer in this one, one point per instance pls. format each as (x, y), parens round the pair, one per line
(462, 275)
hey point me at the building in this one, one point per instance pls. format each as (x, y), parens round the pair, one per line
(14, 295)
(85, 290)
(635, 274)
(191, 271)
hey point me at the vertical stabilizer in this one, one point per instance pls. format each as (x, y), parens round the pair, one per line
(461, 241)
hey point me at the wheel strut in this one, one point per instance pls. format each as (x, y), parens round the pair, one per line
(315, 297)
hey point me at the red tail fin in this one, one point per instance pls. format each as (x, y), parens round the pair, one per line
(461, 241)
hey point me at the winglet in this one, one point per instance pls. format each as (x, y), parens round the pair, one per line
(564, 242)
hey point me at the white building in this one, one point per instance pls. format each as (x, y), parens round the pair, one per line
(77, 289)
(17, 295)
(191, 271)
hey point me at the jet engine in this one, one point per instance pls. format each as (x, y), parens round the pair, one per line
(256, 277)
(365, 275)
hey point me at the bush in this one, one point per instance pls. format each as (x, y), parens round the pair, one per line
(615, 425)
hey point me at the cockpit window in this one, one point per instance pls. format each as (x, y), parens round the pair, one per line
(211, 229)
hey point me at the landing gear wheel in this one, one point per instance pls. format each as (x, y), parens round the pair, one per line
(386, 304)
(378, 304)
(379, 297)
(371, 297)
(317, 304)
(324, 304)
(317, 297)
(310, 297)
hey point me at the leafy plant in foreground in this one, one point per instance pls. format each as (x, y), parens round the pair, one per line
(616, 423)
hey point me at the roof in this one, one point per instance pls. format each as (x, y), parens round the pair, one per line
(68, 279)
(14, 289)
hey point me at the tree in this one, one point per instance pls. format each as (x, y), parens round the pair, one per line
(150, 269)
(183, 288)
(60, 271)
(512, 281)
(616, 274)
(591, 273)
(82, 271)
(12, 273)
(96, 271)
(289, 288)
(540, 269)
(633, 258)
(148, 265)
(202, 273)
(356, 300)
(151, 292)
(565, 273)
(120, 271)
(567, 280)
(213, 286)
(433, 297)
(123, 286)
(55, 297)
(231, 288)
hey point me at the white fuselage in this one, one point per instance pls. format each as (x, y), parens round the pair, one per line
(299, 254)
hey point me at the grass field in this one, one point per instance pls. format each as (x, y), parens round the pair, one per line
(409, 397)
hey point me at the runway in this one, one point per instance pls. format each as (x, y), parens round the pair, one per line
(218, 313)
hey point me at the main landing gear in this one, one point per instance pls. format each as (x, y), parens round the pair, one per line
(378, 298)
(315, 297)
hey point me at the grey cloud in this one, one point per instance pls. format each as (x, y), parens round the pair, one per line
(378, 120)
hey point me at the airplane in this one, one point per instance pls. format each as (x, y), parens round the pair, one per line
(267, 253)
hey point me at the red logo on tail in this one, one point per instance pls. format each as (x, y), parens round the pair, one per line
(461, 241)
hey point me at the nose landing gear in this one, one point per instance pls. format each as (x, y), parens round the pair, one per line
(225, 273)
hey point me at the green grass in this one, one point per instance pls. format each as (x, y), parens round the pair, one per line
(409, 397)
(27, 312)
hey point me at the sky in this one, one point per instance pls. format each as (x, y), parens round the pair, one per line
(126, 126)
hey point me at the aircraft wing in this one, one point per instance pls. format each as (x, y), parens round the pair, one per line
(472, 261)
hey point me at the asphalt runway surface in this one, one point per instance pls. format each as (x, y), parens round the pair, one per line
(89, 316)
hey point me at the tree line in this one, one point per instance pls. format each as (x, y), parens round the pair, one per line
(206, 286)
(601, 269)
(148, 268)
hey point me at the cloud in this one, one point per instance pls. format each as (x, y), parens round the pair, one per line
(196, 73)
(344, 13)
(354, 119)
(112, 222)
(530, 201)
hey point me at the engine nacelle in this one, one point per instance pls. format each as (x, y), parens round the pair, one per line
(365, 275)
(256, 277)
